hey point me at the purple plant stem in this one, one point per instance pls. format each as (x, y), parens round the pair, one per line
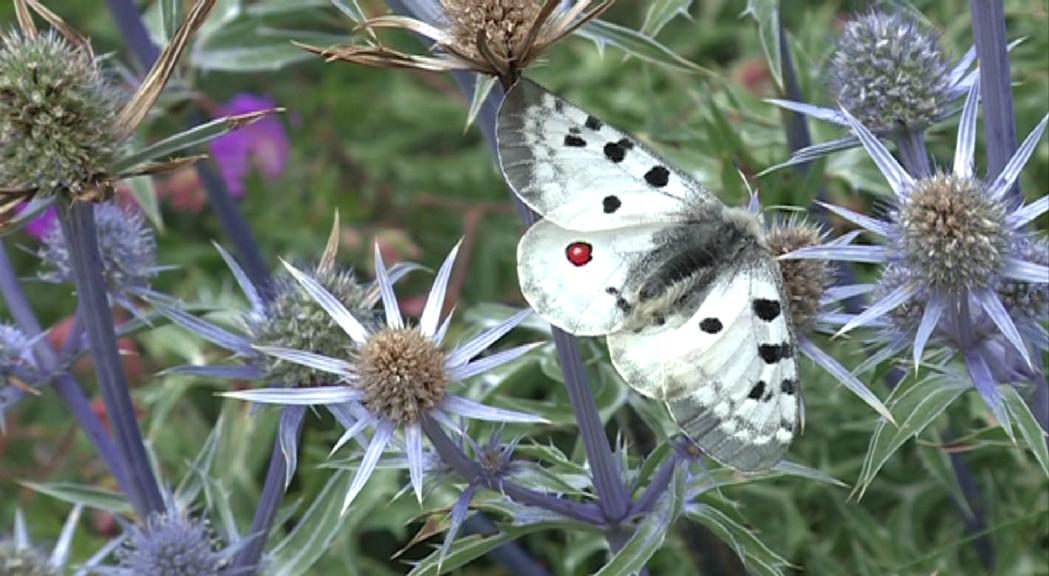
(272, 494)
(999, 124)
(66, 386)
(914, 153)
(78, 226)
(514, 558)
(657, 485)
(129, 21)
(472, 472)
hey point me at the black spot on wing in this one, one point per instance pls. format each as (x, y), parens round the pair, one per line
(610, 204)
(788, 386)
(658, 177)
(773, 353)
(559, 105)
(767, 310)
(757, 391)
(615, 152)
(593, 123)
(710, 325)
(573, 141)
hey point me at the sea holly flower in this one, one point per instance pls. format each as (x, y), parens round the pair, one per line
(953, 246)
(65, 126)
(127, 245)
(18, 556)
(263, 145)
(288, 319)
(497, 38)
(172, 543)
(888, 72)
(391, 376)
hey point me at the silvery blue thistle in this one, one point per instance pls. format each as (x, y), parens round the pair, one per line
(171, 544)
(127, 245)
(955, 253)
(289, 319)
(889, 72)
(58, 115)
(390, 376)
(18, 556)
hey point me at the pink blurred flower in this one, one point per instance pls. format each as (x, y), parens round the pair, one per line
(262, 145)
(39, 226)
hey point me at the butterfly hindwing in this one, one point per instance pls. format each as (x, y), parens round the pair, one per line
(592, 270)
(728, 374)
(581, 173)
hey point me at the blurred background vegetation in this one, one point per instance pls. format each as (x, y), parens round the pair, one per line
(387, 149)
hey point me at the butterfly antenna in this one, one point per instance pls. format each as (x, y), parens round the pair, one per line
(755, 203)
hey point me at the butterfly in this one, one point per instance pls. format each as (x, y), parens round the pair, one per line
(684, 288)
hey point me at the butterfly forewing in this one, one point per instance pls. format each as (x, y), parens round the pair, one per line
(581, 173)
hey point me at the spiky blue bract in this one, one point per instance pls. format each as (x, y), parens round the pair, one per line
(395, 374)
(58, 111)
(14, 349)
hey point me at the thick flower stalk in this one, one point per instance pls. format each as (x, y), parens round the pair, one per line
(128, 249)
(960, 263)
(391, 376)
(890, 73)
(497, 38)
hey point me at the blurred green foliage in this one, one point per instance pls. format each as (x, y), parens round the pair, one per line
(387, 149)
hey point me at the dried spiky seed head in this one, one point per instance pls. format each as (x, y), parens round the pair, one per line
(889, 72)
(294, 320)
(906, 316)
(503, 23)
(58, 116)
(954, 233)
(805, 281)
(402, 374)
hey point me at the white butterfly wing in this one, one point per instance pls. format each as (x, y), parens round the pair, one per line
(581, 173)
(728, 374)
(574, 279)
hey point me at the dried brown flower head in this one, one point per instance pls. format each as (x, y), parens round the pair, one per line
(494, 37)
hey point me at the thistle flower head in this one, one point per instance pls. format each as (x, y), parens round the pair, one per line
(15, 561)
(293, 320)
(402, 374)
(126, 243)
(954, 254)
(19, 557)
(805, 281)
(392, 377)
(58, 115)
(171, 544)
(952, 232)
(889, 72)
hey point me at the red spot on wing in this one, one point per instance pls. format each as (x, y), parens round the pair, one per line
(579, 253)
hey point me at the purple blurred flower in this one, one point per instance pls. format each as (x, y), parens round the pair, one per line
(262, 145)
(39, 226)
